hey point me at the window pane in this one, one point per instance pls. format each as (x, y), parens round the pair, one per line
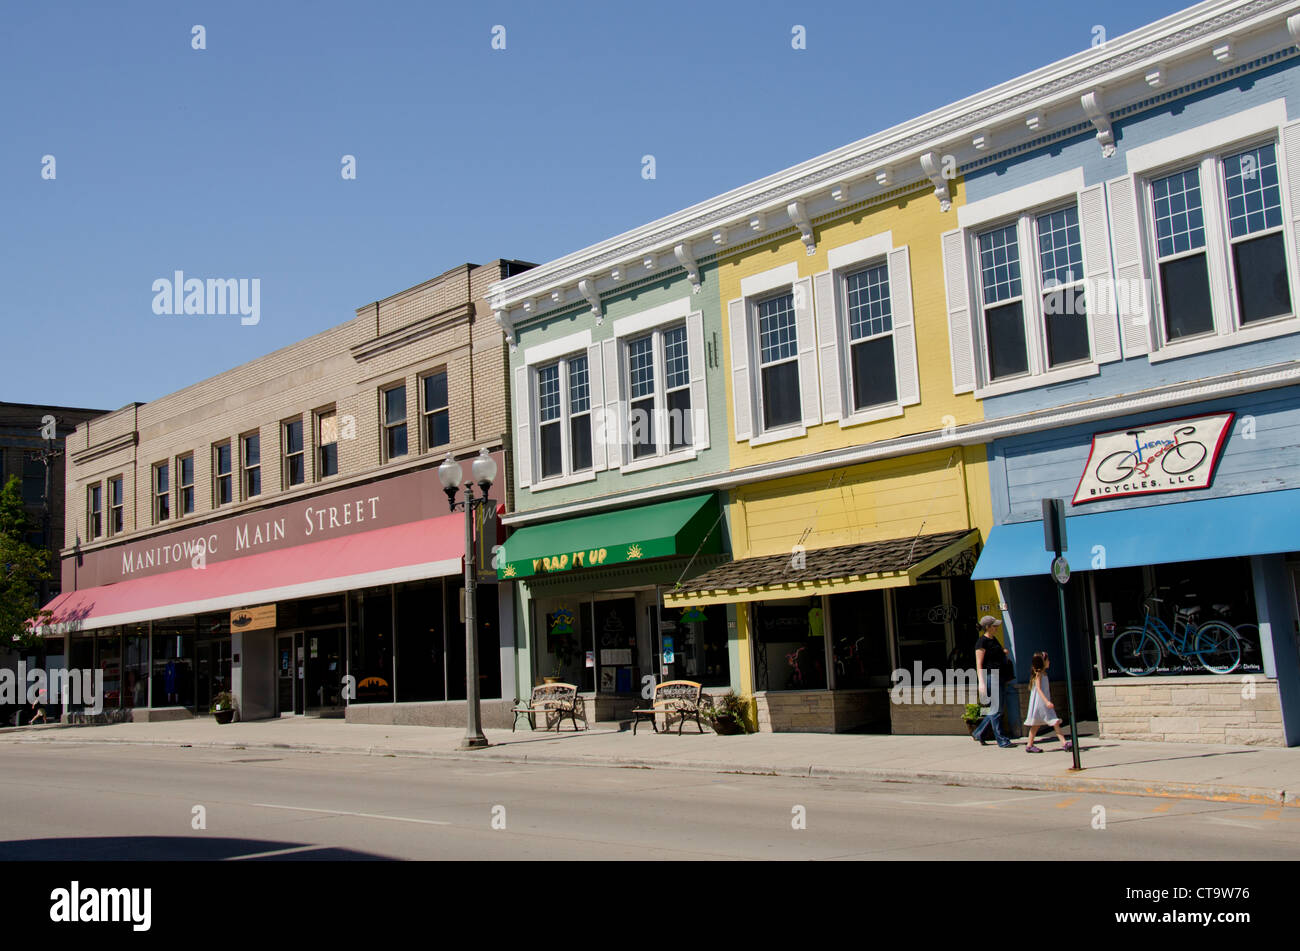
(579, 386)
(161, 473)
(395, 404)
(679, 418)
(223, 490)
(293, 436)
(1254, 199)
(253, 482)
(329, 428)
(252, 450)
(677, 367)
(548, 393)
(396, 441)
(641, 367)
(1263, 289)
(435, 391)
(781, 395)
(580, 442)
(1006, 335)
(776, 330)
(1066, 316)
(297, 471)
(874, 380)
(329, 459)
(115, 492)
(1060, 253)
(642, 428)
(552, 461)
(439, 433)
(868, 302)
(187, 500)
(1185, 286)
(187, 470)
(223, 459)
(164, 510)
(1180, 224)
(1000, 264)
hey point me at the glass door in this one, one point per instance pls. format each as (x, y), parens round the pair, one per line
(323, 683)
(285, 671)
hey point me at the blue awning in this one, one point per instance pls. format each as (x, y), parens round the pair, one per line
(1261, 524)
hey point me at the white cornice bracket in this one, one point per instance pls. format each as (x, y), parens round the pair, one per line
(1096, 110)
(935, 174)
(587, 288)
(799, 215)
(687, 260)
(503, 321)
(1293, 27)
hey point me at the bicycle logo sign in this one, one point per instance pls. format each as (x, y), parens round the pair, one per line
(1163, 457)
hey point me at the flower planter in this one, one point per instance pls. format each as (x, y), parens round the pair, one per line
(223, 716)
(726, 726)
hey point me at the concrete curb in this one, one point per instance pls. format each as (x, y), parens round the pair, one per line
(1210, 792)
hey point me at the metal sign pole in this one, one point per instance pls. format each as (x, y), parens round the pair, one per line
(1055, 542)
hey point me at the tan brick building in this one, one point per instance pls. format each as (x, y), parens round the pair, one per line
(302, 483)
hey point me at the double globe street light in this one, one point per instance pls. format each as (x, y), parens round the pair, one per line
(450, 474)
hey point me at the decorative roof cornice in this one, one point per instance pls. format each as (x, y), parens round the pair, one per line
(1089, 87)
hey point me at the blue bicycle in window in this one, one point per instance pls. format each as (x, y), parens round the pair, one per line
(1139, 650)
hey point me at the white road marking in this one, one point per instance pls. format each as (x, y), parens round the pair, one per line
(979, 802)
(343, 812)
(263, 855)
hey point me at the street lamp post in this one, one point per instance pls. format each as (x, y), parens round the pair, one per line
(450, 474)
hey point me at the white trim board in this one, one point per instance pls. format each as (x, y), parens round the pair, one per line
(769, 280)
(876, 246)
(554, 349)
(1017, 200)
(1190, 143)
(653, 317)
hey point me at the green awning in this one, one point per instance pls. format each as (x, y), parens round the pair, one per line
(611, 538)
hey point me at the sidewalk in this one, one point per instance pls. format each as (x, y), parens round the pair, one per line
(1178, 770)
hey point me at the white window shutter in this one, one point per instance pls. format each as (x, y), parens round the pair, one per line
(900, 305)
(596, 389)
(828, 344)
(1098, 297)
(615, 437)
(960, 345)
(699, 390)
(1130, 269)
(523, 429)
(742, 401)
(1291, 159)
(810, 390)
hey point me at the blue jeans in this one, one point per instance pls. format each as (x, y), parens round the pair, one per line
(1011, 706)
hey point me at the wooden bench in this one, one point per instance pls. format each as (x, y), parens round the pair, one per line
(680, 698)
(555, 702)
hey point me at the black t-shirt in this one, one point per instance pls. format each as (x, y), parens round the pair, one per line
(995, 657)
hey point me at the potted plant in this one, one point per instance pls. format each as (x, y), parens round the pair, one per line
(971, 716)
(223, 707)
(726, 713)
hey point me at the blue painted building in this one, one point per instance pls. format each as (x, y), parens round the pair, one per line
(1124, 299)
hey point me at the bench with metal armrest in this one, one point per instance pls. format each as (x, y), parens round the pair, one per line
(679, 698)
(556, 702)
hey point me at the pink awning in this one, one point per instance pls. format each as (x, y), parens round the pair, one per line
(427, 549)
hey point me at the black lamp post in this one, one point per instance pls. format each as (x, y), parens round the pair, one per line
(450, 474)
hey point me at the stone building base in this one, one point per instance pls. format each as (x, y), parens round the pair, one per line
(1209, 709)
(945, 719)
(496, 714)
(822, 711)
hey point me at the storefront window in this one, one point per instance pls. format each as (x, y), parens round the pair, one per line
(693, 645)
(108, 650)
(173, 663)
(489, 637)
(790, 644)
(923, 618)
(1204, 623)
(421, 629)
(614, 645)
(372, 644)
(135, 692)
(860, 639)
(310, 612)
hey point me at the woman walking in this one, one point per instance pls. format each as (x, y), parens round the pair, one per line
(1042, 712)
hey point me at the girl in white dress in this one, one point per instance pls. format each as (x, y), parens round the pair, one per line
(1042, 712)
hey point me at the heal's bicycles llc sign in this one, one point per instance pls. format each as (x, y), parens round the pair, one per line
(1161, 457)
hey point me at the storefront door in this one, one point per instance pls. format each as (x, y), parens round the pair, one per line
(323, 681)
(213, 671)
(286, 675)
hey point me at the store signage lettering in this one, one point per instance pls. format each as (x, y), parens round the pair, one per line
(577, 559)
(1171, 456)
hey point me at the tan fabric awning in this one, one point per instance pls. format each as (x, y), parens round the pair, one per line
(885, 564)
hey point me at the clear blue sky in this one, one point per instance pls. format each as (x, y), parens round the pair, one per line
(225, 162)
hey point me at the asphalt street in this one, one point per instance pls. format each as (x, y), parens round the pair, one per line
(91, 802)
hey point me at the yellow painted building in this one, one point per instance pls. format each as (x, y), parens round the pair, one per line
(854, 539)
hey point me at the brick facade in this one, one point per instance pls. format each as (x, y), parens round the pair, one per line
(1192, 710)
(443, 323)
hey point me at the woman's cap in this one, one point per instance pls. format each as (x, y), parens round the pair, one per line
(989, 620)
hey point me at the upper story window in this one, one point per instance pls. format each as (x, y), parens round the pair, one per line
(564, 417)
(222, 478)
(659, 392)
(251, 452)
(161, 492)
(33, 480)
(394, 401)
(94, 511)
(873, 379)
(1221, 213)
(116, 506)
(294, 464)
(327, 441)
(437, 417)
(185, 467)
(778, 349)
